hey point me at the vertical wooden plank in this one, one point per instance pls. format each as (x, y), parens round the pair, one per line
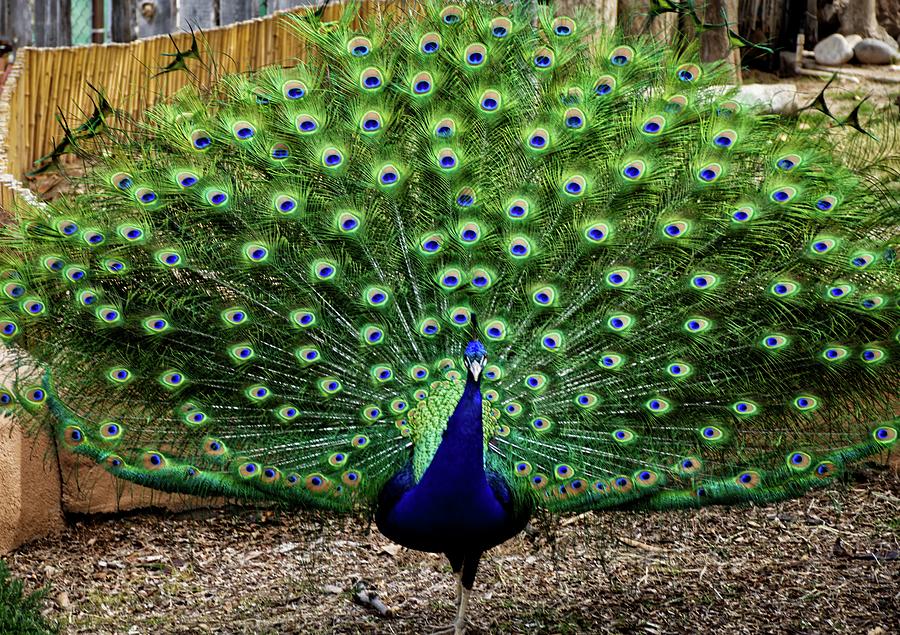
(97, 22)
(20, 16)
(605, 11)
(52, 26)
(123, 27)
(237, 10)
(64, 21)
(154, 18)
(44, 34)
(281, 5)
(196, 13)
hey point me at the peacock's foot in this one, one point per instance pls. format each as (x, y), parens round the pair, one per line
(458, 627)
(452, 629)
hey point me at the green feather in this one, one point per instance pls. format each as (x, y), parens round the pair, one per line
(263, 291)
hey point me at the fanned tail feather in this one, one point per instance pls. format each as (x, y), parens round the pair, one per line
(264, 290)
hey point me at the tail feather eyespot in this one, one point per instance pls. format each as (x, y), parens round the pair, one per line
(153, 461)
(490, 101)
(495, 330)
(543, 58)
(646, 478)
(574, 119)
(430, 43)
(604, 86)
(653, 126)
(475, 55)
(200, 140)
(306, 124)
(371, 79)
(351, 478)
(688, 73)
(621, 56)
(293, 89)
(622, 485)
(725, 138)
(243, 130)
(748, 480)
(359, 46)
(563, 27)
(270, 475)
(676, 104)
(73, 436)
(422, 84)
(280, 151)
(798, 461)
(452, 15)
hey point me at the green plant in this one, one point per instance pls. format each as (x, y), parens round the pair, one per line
(20, 611)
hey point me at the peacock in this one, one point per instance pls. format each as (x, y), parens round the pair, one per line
(465, 263)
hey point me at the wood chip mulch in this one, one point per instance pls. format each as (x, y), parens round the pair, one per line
(827, 563)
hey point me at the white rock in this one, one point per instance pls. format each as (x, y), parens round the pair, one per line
(833, 51)
(872, 51)
(780, 98)
(853, 39)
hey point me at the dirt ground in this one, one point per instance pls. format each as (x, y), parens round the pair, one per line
(827, 563)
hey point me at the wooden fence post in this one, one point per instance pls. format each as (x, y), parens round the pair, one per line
(155, 18)
(200, 13)
(52, 22)
(237, 10)
(15, 22)
(123, 26)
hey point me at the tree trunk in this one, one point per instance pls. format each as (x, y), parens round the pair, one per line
(633, 18)
(811, 25)
(714, 44)
(859, 17)
(605, 10)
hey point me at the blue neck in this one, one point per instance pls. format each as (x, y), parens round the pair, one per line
(459, 460)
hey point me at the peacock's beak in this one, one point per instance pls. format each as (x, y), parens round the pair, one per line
(476, 366)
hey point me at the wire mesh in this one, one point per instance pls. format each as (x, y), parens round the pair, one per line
(80, 20)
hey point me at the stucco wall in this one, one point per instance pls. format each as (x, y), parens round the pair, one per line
(36, 488)
(89, 489)
(30, 493)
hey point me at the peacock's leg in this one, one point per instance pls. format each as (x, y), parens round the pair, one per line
(464, 568)
(456, 563)
(459, 626)
(467, 581)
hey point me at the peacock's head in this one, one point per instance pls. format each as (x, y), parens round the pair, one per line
(475, 358)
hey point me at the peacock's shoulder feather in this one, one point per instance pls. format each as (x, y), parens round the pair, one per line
(261, 291)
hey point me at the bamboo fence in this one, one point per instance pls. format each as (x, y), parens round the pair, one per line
(44, 81)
